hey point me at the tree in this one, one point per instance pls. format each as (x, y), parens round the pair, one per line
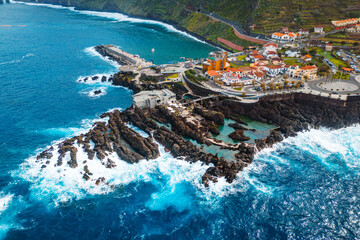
(356, 44)
(343, 43)
(286, 77)
(271, 86)
(253, 83)
(243, 94)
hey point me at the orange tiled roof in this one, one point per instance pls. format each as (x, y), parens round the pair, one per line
(271, 44)
(212, 73)
(309, 68)
(258, 56)
(291, 34)
(273, 67)
(307, 56)
(278, 34)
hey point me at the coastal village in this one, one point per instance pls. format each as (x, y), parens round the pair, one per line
(305, 61)
(226, 107)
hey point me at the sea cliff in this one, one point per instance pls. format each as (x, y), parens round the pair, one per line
(184, 129)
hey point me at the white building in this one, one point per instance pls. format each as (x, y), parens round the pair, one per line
(153, 98)
(274, 70)
(319, 29)
(293, 53)
(270, 47)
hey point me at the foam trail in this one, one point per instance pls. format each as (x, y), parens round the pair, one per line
(18, 60)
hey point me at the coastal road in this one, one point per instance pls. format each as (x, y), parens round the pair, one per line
(238, 29)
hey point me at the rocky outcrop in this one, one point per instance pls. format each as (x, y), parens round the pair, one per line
(269, 141)
(213, 116)
(295, 113)
(239, 135)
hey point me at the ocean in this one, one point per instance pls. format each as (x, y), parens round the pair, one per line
(306, 187)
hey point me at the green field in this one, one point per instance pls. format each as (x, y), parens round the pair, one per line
(337, 62)
(291, 61)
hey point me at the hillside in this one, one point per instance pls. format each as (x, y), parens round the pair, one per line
(268, 15)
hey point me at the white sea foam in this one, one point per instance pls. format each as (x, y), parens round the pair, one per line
(91, 92)
(46, 5)
(92, 52)
(18, 60)
(63, 183)
(5, 201)
(118, 17)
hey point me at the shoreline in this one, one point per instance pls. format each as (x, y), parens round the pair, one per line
(178, 28)
(290, 113)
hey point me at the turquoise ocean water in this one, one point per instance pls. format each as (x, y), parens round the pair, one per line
(306, 187)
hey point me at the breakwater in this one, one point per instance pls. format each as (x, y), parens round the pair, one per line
(122, 57)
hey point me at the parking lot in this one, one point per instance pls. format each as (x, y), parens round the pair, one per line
(351, 58)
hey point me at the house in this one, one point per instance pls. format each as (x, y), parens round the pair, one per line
(309, 72)
(244, 71)
(292, 36)
(306, 58)
(277, 36)
(259, 76)
(282, 37)
(231, 79)
(304, 32)
(273, 70)
(151, 99)
(319, 29)
(217, 61)
(213, 75)
(270, 47)
(346, 23)
(255, 58)
(271, 54)
(293, 53)
(328, 47)
(277, 61)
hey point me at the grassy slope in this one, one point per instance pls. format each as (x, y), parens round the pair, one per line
(269, 15)
(273, 14)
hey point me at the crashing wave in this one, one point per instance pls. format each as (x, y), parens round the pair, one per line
(5, 201)
(92, 52)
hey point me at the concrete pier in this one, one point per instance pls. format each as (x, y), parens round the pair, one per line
(128, 60)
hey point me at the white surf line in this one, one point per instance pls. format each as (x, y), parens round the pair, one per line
(18, 60)
(120, 18)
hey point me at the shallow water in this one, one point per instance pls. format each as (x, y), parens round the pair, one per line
(306, 187)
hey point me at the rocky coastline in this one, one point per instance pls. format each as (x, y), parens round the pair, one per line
(185, 128)
(173, 127)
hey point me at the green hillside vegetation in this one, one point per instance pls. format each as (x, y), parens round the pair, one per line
(273, 14)
(268, 15)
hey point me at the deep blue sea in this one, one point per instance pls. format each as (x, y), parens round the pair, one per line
(307, 187)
